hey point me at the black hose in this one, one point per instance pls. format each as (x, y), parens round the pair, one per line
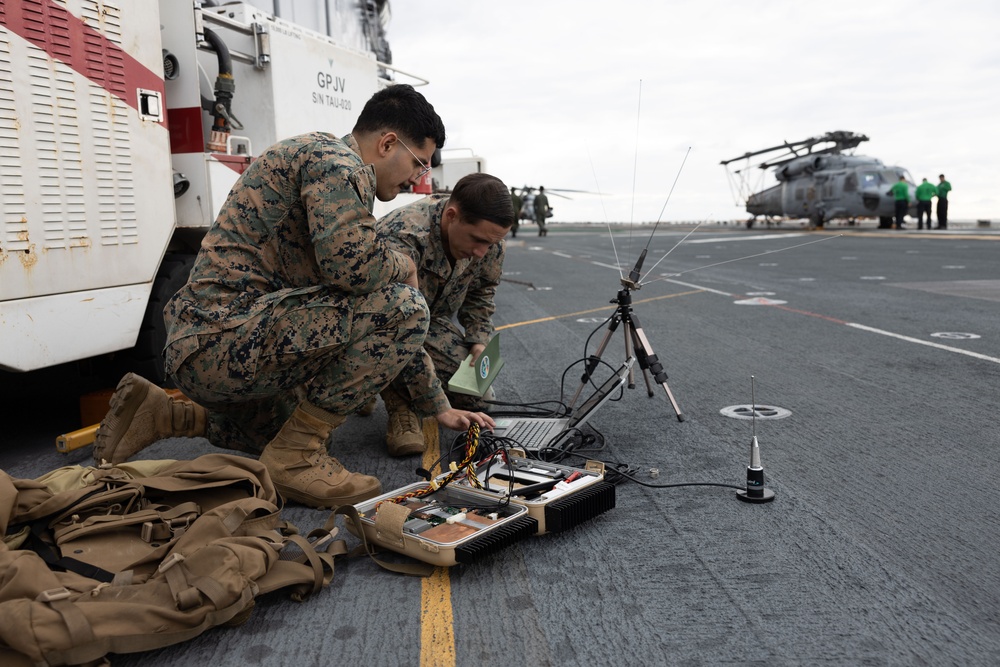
(221, 51)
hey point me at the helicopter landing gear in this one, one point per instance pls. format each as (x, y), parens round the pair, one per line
(816, 221)
(885, 222)
(750, 222)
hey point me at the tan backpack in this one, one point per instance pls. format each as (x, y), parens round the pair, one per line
(143, 555)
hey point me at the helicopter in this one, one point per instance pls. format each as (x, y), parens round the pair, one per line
(816, 180)
(527, 194)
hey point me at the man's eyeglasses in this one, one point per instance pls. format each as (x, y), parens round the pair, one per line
(424, 167)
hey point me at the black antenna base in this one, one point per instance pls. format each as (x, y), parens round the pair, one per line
(766, 496)
(755, 492)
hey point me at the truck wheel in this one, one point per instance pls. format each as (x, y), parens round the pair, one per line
(146, 358)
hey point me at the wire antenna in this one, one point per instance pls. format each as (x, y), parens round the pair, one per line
(633, 281)
(672, 249)
(638, 265)
(753, 410)
(635, 166)
(740, 259)
(605, 210)
(679, 170)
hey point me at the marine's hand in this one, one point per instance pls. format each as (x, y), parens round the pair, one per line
(459, 420)
(476, 350)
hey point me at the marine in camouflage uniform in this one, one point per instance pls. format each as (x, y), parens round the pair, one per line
(456, 241)
(296, 312)
(293, 296)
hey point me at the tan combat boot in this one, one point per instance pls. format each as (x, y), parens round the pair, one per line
(142, 413)
(404, 435)
(302, 470)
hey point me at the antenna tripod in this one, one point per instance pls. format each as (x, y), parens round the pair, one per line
(635, 338)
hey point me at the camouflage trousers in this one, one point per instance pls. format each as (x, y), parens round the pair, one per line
(335, 350)
(446, 346)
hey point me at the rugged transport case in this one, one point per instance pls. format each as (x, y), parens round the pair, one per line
(450, 526)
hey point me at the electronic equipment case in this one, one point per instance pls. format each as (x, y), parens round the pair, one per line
(450, 526)
(556, 510)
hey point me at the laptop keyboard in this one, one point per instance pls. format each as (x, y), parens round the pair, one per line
(531, 433)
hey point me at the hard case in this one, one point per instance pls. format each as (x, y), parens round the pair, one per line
(564, 506)
(450, 526)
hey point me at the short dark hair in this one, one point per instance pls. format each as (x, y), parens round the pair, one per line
(400, 108)
(483, 197)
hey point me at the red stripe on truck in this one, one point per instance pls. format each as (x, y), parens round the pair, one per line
(66, 38)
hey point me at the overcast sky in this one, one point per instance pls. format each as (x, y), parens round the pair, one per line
(608, 96)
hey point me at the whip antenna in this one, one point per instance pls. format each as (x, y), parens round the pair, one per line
(679, 170)
(740, 259)
(605, 210)
(635, 166)
(633, 282)
(672, 249)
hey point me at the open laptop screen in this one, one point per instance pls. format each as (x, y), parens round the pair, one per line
(603, 393)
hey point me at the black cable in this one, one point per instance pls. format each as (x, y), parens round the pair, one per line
(678, 484)
(536, 409)
(572, 442)
(615, 470)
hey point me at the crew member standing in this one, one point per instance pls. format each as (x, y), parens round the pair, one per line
(901, 192)
(943, 188)
(515, 201)
(541, 206)
(925, 192)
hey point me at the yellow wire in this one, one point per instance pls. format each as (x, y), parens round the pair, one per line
(472, 437)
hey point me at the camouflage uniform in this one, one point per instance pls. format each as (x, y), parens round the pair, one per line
(467, 289)
(293, 296)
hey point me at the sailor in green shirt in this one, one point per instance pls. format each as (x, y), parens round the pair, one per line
(901, 192)
(943, 188)
(925, 192)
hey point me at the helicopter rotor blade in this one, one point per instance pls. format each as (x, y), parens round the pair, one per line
(554, 193)
(530, 190)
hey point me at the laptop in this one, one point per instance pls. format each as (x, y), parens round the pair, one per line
(475, 379)
(534, 433)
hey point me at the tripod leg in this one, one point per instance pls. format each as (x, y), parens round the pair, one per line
(594, 359)
(648, 359)
(629, 335)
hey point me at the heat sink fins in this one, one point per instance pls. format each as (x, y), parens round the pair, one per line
(496, 539)
(587, 503)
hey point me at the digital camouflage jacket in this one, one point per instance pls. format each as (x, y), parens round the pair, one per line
(466, 290)
(300, 216)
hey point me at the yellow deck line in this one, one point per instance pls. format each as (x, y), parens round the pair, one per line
(437, 623)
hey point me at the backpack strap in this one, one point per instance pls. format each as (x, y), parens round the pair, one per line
(79, 628)
(411, 569)
(56, 561)
(317, 551)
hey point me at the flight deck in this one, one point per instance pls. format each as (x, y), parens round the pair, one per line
(876, 358)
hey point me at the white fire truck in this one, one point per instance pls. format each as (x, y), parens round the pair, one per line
(123, 126)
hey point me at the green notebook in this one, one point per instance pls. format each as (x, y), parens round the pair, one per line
(476, 378)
